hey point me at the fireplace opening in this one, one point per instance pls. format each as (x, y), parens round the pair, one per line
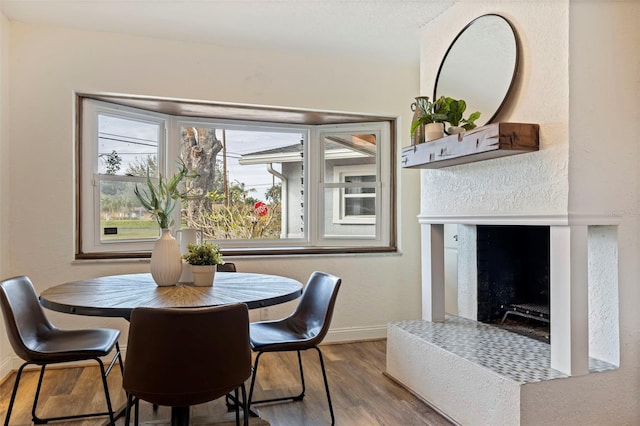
(513, 278)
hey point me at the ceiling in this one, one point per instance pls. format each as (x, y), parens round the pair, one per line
(364, 29)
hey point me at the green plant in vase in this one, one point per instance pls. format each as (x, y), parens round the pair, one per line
(161, 198)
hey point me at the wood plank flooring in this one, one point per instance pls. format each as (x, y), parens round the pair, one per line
(361, 394)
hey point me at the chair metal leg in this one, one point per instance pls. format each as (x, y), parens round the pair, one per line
(180, 416)
(109, 412)
(237, 408)
(35, 418)
(298, 397)
(253, 378)
(137, 412)
(112, 418)
(326, 385)
(245, 406)
(127, 412)
(14, 392)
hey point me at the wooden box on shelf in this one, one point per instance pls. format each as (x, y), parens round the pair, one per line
(483, 143)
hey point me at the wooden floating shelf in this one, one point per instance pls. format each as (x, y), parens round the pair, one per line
(482, 143)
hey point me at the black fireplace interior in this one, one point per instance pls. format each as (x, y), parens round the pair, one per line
(513, 278)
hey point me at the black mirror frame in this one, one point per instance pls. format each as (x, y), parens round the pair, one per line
(516, 67)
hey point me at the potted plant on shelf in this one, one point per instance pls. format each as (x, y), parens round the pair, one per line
(455, 109)
(161, 199)
(429, 118)
(203, 259)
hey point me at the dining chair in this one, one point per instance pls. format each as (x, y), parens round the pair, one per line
(37, 341)
(227, 267)
(304, 329)
(180, 357)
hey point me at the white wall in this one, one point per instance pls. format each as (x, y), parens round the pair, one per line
(48, 64)
(5, 350)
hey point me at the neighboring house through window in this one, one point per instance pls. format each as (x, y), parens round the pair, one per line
(272, 184)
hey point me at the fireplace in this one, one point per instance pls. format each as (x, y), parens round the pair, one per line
(567, 263)
(513, 283)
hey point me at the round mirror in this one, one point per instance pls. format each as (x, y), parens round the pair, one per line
(480, 66)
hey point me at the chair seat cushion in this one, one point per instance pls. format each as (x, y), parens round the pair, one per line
(280, 336)
(68, 345)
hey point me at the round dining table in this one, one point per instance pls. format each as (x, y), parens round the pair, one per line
(119, 295)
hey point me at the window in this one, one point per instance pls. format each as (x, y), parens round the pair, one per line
(355, 203)
(263, 186)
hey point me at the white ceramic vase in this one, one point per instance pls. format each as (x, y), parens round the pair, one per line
(434, 131)
(166, 262)
(203, 275)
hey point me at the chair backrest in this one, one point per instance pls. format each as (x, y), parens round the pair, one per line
(227, 267)
(182, 357)
(315, 310)
(24, 318)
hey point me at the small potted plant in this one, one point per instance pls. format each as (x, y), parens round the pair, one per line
(430, 117)
(203, 259)
(455, 109)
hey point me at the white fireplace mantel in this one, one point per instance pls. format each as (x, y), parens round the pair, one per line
(526, 219)
(569, 310)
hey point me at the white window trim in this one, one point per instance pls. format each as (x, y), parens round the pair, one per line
(339, 203)
(90, 195)
(383, 185)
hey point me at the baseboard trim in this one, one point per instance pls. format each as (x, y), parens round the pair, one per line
(6, 368)
(354, 334)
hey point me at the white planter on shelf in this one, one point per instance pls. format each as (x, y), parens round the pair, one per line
(433, 131)
(454, 130)
(203, 275)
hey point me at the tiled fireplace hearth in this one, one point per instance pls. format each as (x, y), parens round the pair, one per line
(477, 373)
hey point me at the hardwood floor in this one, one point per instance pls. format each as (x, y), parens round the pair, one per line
(361, 394)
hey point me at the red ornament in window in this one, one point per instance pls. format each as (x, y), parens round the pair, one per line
(260, 208)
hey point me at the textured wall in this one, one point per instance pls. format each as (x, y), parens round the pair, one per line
(535, 182)
(604, 161)
(604, 312)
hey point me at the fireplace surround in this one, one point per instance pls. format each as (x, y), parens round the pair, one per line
(578, 246)
(504, 376)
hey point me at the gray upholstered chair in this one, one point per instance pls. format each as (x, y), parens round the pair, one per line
(183, 357)
(304, 329)
(37, 341)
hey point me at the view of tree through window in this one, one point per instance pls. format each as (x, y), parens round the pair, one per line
(231, 200)
(237, 201)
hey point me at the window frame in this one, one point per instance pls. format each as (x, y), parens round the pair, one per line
(89, 234)
(339, 200)
(88, 245)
